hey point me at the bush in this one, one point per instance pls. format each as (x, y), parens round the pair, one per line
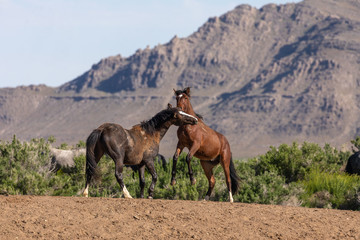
(293, 162)
(24, 167)
(266, 187)
(307, 172)
(356, 143)
(182, 190)
(331, 190)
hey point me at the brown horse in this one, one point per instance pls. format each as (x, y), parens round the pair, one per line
(206, 144)
(137, 146)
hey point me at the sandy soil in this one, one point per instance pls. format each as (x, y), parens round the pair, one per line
(44, 217)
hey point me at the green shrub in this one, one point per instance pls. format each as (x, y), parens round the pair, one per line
(356, 143)
(267, 187)
(24, 167)
(307, 172)
(332, 190)
(293, 162)
(182, 190)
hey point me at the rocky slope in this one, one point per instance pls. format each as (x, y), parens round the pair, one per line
(262, 77)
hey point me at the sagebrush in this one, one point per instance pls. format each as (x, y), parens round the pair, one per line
(306, 171)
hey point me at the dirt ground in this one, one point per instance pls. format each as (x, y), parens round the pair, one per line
(45, 217)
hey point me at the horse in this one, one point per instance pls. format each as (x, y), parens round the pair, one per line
(137, 146)
(210, 146)
(64, 159)
(353, 164)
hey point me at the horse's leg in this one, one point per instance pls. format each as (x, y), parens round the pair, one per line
(87, 184)
(209, 174)
(225, 158)
(142, 180)
(192, 151)
(208, 169)
(151, 167)
(179, 149)
(119, 166)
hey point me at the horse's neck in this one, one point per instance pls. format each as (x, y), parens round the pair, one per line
(190, 110)
(159, 132)
(164, 128)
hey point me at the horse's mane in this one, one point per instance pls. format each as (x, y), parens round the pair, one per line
(155, 122)
(199, 116)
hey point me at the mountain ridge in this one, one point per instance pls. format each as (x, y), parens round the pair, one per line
(262, 77)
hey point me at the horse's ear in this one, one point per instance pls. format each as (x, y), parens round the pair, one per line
(169, 105)
(187, 91)
(178, 92)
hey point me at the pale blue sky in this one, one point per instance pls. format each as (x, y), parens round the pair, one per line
(55, 41)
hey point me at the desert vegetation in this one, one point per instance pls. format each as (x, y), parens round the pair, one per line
(303, 174)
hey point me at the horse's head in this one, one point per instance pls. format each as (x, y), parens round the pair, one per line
(183, 99)
(180, 117)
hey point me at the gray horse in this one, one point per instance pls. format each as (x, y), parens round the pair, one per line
(64, 159)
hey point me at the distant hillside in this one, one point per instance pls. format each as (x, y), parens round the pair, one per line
(262, 77)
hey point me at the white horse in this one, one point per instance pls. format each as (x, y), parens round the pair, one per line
(64, 159)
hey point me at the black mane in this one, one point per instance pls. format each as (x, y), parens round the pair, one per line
(199, 116)
(155, 122)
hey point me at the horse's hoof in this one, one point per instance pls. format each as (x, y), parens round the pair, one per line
(150, 197)
(206, 198)
(193, 181)
(173, 182)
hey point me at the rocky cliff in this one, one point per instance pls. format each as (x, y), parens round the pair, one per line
(262, 77)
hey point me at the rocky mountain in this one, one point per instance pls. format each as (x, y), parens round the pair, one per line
(261, 77)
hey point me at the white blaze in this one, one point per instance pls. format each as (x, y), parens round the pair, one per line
(188, 115)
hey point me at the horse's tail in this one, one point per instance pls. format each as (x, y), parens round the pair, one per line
(234, 177)
(91, 164)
